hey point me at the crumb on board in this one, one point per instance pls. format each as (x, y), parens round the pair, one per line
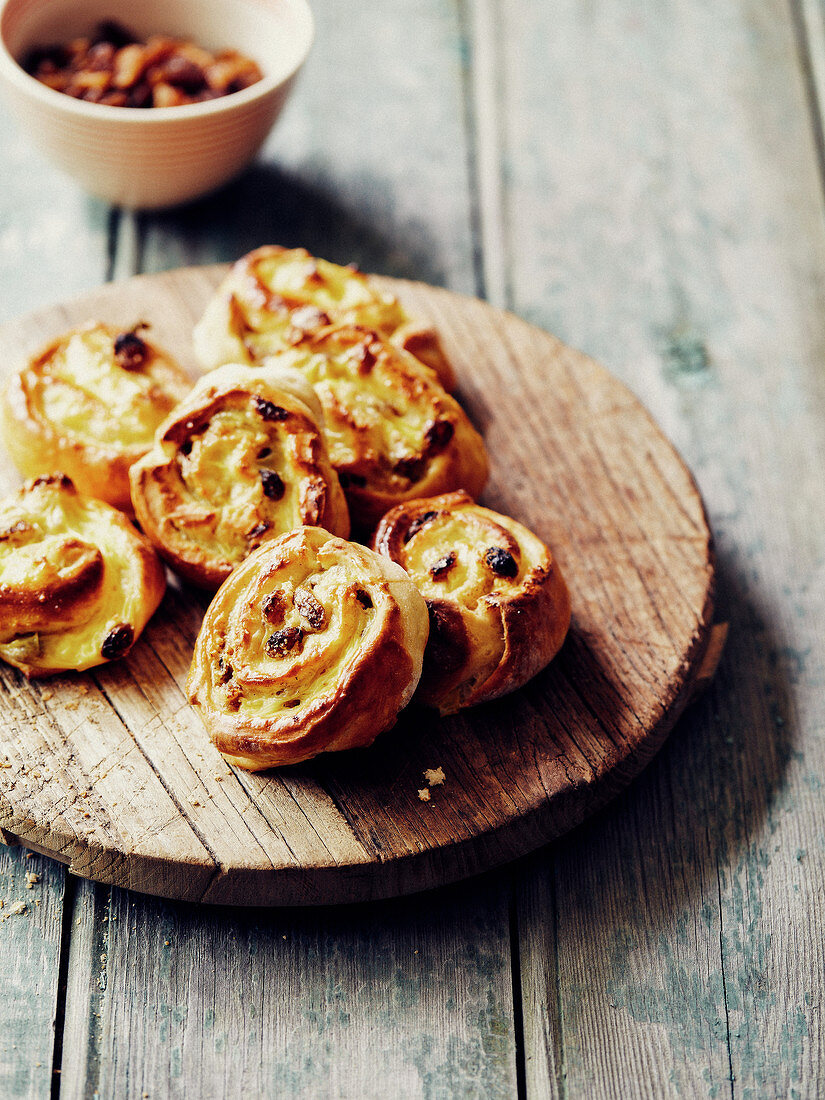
(434, 777)
(424, 794)
(46, 695)
(18, 908)
(32, 880)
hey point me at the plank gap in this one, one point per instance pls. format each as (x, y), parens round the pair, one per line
(69, 892)
(808, 22)
(127, 241)
(518, 1006)
(112, 221)
(557, 1031)
(723, 969)
(483, 118)
(471, 128)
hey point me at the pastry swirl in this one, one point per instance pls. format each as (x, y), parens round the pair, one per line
(77, 582)
(392, 431)
(239, 461)
(88, 404)
(274, 296)
(499, 607)
(313, 644)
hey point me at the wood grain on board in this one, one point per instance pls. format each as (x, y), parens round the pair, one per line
(112, 770)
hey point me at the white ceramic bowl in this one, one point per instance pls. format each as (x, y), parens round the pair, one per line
(158, 156)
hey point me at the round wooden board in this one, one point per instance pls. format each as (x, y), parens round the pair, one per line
(111, 771)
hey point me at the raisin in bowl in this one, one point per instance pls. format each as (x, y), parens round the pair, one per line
(165, 133)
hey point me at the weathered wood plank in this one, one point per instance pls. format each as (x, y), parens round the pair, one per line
(31, 906)
(411, 998)
(54, 242)
(662, 209)
(369, 162)
(623, 982)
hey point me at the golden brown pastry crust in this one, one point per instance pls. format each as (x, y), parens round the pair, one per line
(239, 461)
(499, 607)
(275, 296)
(392, 431)
(313, 644)
(88, 404)
(77, 582)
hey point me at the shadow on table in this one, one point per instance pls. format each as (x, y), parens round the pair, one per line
(696, 810)
(630, 910)
(688, 843)
(269, 205)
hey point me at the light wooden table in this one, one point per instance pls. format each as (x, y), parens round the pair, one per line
(644, 180)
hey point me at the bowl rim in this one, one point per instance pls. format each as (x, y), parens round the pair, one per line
(15, 74)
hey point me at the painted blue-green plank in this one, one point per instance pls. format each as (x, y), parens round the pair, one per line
(54, 243)
(369, 163)
(660, 207)
(408, 998)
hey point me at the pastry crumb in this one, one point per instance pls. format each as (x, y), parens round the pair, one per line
(18, 908)
(32, 880)
(424, 794)
(46, 695)
(434, 777)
